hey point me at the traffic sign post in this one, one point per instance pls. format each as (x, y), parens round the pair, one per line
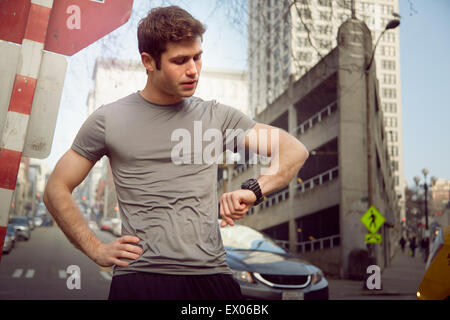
(21, 99)
(32, 80)
(372, 219)
(373, 238)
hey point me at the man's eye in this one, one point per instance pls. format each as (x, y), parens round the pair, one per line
(197, 57)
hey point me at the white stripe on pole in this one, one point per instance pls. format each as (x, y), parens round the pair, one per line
(45, 3)
(5, 198)
(14, 131)
(30, 59)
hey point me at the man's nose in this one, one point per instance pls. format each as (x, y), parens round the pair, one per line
(191, 68)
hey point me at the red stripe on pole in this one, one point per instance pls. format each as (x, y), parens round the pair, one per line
(2, 239)
(36, 29)
(9, 168)
(22, 94)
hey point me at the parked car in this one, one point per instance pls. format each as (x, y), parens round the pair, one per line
(105, 224)
(7, 244)
(38, 220)
(264, 270)
(21, 225)
(11, 232)
(31, 223)
(435, 284)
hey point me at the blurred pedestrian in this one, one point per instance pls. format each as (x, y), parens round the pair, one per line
(171, 246)
(402, 244)
(424, 248)
(413, 246)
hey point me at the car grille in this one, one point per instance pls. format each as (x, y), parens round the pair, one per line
(283, 281)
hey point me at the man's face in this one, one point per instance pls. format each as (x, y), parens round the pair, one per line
(180, 70)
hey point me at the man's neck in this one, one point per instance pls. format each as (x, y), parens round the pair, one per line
(150, 95)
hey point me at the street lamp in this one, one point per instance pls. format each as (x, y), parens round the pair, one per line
(391, 25)
(425, 187)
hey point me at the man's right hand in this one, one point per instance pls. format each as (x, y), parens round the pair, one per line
(109, 254)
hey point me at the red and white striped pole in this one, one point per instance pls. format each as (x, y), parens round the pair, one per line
(15, 129)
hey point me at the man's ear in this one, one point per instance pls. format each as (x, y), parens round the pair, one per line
(148, 62)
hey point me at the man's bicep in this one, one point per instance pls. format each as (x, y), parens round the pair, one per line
(71, 169)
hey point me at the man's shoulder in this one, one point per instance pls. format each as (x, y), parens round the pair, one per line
(126, 100)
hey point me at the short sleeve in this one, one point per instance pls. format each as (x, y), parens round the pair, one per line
(90, 140)
(234, 125)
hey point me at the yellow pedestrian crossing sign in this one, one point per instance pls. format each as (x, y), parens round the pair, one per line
(372, 219)
(373, 238)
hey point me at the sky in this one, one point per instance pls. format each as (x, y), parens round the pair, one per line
(425, 70)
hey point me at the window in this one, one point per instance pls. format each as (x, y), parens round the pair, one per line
(388, 51)
(325, 15)
(305, 14)
(393, 151)
(389, 79)
(304, 56)
(388, 64)
(324, 44)
(389, 37)
(392, 136)
(390, 122)
(394, 165)
(324, 30)
(302, 42)
(389, 93)
(325, 3)
(390, 107)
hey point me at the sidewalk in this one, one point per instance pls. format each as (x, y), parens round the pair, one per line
(399, 281)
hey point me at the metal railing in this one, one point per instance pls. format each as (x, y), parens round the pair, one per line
(301, 188)
(309, 123)
(313, 245)
(316, 118)
(318, 180)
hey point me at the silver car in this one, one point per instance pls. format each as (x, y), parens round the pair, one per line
(264, 270)
(22, 227)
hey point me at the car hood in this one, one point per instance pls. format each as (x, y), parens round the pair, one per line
(268, 262)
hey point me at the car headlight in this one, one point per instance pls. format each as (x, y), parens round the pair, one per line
(243, 276)
(316, 277)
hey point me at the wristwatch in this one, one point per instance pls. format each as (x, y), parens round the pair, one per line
(253, 185)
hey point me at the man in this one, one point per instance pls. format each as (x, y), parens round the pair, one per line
(171, 248)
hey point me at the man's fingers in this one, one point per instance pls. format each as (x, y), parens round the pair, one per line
(128, 255)
(236, 204)
(120, 263)
(131, 248)
(131, 239)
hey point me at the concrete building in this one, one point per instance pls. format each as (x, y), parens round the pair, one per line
(440, 202)
(318, 214)
(288, 37)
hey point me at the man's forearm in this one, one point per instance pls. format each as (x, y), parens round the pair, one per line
(287, 159)
(60, 204)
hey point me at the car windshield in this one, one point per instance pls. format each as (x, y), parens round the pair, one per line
(10, 228)
(18, 220)
(245, 238)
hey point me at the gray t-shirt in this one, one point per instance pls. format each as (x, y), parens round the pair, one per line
(167, 195)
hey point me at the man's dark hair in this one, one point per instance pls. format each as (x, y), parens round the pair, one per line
(163, 25)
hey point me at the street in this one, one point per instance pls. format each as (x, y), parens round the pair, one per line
(36, 269)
